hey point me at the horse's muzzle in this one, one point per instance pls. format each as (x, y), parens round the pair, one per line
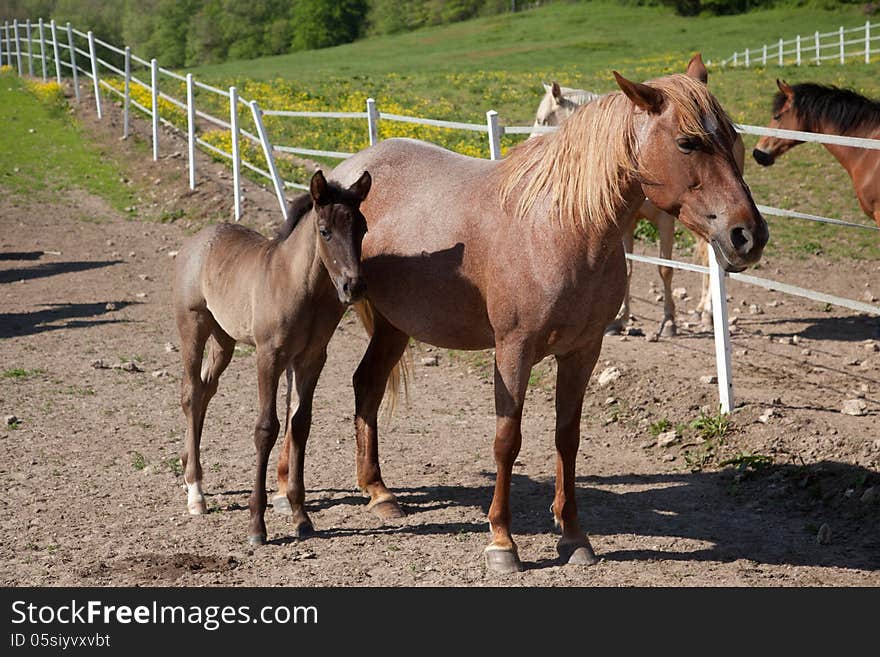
(763, 158)
(351, 289)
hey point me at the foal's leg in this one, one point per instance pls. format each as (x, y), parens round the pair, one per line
(623, 317)
(572, 374)
(194, 327)
(386, 348)
(704, 308)
(279, 502)
(666, 230)
(513, 364)
(269, 368)
(307, 369)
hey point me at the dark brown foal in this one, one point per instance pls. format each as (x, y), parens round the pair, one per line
(285, 296)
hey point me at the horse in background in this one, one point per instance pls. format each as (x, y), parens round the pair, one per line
(526, 255)
(810, 107)
(557, 105)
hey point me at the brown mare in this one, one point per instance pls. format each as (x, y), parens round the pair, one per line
(557, 105)
(812, 107)
(526, 255)
(285, 296)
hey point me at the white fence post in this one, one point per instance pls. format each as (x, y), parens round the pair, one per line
(126, 93)
(154, 96)
(1, 43)
(236, 155)
(734, 58)
(747, 58)
(73, 68)
(95, 73)
(42, 49)
(764, 62)
(270, 157)
(17, 47)
(842, 52)
(191, 129)
(718, 283)
(867, 42)
(54, 31)
(372, 121)
(818, 50)
(27, 33)
(797, 49)
(781, 51)
(494, 135)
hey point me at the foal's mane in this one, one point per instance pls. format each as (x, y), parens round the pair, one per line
(587, 164)
(300, 206)
(842, 108)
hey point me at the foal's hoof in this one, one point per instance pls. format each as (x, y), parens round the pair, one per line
(669, 330)
(197, 508)
(614, 329)
(503, 561)
(577, 553)
(280, 504)
(257, 541)
(303, 529)
(386, 510)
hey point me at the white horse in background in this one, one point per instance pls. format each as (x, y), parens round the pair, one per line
(557, 105)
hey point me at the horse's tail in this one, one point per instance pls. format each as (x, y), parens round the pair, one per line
(400, 373)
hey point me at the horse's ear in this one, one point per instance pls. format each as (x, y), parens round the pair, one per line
(643, 96)
(547, 87)
(696, 69)
(361, 187)
(318, 188)
(785, 88)
(556, 90)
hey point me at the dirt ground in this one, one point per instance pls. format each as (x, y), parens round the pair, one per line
(94, 494)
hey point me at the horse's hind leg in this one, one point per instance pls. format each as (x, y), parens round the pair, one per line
(385, 350)
(269, 368)
(704, 308)
(572, 375)
(293, 450)
(666, 230)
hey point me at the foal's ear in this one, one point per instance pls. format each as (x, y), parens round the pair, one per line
(361, 187)
(697, 69)
(318, 189)
(556, 90)
(648, 98)
(785, 88)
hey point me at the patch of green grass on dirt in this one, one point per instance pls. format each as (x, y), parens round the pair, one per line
(43, 154)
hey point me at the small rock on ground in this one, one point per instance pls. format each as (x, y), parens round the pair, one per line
(854, 407)
(609, 375)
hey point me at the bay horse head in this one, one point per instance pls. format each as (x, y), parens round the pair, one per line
(341, 228)
(685, 162)
(785, 117)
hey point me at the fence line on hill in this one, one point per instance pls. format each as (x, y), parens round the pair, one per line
(11, 44)
(796, 51)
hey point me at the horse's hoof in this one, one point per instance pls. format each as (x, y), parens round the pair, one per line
(577, 553)
(281, 505)
(503, 561)
(257, 541)
(614, 329)
(197, 508)
(387, 510)
(304, 529)
(669, 330)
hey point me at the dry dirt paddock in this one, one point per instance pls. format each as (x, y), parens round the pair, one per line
(92, 483)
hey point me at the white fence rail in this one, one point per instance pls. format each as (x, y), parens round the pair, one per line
(841, 45)
(12, 47)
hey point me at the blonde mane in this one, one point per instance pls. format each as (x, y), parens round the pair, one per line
(587, 164)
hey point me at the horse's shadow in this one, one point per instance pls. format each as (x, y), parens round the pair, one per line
(46, 269)
(56, 316)
(728, 519)
(855, 328)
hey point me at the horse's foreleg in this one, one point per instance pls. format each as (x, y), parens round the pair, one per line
(704, 308)
(666, 230)
(265, 435)
(279, 502)
(385, 350)
(623, 316)
(513, 364)
(307, 369)
(572, 374)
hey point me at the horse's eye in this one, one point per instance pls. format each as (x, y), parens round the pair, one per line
(687, 145)
(776, 117)
(325, 232)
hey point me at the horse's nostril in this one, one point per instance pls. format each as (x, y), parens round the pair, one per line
(346, 286)
(742, 240)
(762, 157)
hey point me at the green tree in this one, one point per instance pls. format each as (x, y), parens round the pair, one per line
(323, 23)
